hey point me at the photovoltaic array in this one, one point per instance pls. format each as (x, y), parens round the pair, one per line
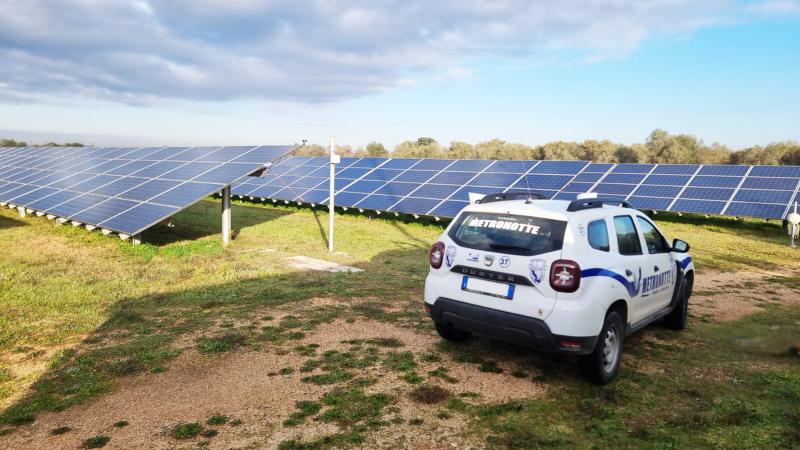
(440, 188)
(126, 190)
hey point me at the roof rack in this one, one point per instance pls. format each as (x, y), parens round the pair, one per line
(506, 196)
(598, 202)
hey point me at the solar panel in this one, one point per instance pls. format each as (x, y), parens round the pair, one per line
(632, 168)
(412, 205)
(126, 190)
(653, 203)
(411, 185)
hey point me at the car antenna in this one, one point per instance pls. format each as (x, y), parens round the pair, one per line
(528, 200)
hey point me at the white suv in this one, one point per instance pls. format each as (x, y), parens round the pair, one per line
(566, 277)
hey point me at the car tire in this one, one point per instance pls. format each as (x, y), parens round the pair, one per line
(679, 316)
(449, 333)
(602, 365)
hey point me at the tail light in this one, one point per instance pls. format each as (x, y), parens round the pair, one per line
(436, 256)
(565, 275)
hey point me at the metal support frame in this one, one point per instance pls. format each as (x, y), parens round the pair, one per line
(793, 226)
(226, 215)
(332, 185)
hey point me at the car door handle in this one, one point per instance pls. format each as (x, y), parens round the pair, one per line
(628, 272)
(655, 269)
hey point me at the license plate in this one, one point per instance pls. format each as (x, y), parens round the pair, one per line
(485, 287)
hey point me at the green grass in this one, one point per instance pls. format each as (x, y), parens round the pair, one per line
(89, 310)
(401, 361)
(99, 441)
(222, 343)
(351, 408)
(186, 430)
(724, 243)
(305, 409)
(217, 419)
(442, 372)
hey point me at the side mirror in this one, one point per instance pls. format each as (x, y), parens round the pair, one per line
(680, 246)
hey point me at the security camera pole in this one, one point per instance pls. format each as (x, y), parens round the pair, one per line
(334, 160)
(794, 226)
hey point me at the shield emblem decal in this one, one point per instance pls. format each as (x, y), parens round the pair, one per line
(450, 256)
(537, 269)
(488, 260)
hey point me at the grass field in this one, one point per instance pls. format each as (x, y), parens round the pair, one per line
(183, 343)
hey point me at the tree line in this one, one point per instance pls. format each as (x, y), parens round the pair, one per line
(660, 147)
(13, 143)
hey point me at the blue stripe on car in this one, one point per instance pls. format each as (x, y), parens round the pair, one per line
(631, 287)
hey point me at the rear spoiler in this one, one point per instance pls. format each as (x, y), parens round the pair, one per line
(598, 202)
(506, 196)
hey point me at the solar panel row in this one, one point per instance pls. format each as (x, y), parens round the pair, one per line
(440, 187)
(126, 190)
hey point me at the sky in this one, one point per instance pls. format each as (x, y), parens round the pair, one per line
(252, 72)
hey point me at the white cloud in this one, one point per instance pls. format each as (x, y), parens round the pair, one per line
(143, 6)
(776, 7)
(138, 51)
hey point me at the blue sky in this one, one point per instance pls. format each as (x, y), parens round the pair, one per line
(205, 72)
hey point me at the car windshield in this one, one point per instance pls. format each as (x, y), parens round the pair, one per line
(506, 233)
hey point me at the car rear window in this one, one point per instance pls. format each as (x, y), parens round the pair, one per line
(507, 233)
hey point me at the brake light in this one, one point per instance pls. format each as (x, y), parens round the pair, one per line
(436, 255)
(565, 275)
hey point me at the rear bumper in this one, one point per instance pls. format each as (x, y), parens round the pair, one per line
(507, 327)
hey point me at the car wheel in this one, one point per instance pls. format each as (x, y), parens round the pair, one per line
(679, 316)
(451, 334)
(602, 365)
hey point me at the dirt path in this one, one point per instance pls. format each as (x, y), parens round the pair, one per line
(727, 296)
(244, 386)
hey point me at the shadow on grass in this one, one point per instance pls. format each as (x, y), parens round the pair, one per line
(322, 233)
(204, 219)
(749, 226)
(7, 222)
(318, 209)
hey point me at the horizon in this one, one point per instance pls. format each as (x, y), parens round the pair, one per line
(41, 139)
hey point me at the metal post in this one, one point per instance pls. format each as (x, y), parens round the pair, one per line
(136, 240)
(331, 194)
(226, 215)
(794, 226)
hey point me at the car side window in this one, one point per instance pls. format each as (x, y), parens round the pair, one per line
(598, 235)
(655, 241)
(627, 238)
